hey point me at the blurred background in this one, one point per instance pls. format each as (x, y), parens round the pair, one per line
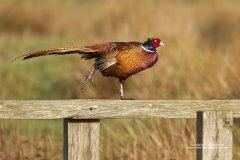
(200, 60)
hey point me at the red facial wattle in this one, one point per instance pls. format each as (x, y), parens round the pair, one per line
(156, 42)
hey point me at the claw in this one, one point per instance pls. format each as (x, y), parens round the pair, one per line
(125, 98)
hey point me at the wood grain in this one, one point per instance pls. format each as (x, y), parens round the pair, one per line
(97, 109)
(216, 136)
(82, 141)
(81, 127)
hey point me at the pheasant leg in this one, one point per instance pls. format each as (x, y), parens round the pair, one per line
(89, 77)
(121, 91)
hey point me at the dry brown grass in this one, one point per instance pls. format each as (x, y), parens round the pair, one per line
(16, 143)
(148, 139)
(200, 61)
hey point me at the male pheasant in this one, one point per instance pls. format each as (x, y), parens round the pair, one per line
(115, 59)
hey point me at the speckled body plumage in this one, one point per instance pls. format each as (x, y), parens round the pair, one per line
(131, 58)
(114, 59)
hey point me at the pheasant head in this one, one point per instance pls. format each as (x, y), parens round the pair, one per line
(151, 44)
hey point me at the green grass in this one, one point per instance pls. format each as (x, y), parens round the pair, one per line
(32, 79)
(35, 127)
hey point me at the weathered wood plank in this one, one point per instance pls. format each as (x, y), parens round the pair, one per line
(217, 135)
(82, 140)
(97, 109)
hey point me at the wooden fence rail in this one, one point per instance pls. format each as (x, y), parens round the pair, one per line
(82, 121)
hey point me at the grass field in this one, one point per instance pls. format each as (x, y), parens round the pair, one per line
(200, 60)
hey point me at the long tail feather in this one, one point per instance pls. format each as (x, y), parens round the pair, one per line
(87, 53)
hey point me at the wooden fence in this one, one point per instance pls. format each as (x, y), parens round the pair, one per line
(82, 121)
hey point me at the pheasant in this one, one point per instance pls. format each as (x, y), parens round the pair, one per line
(113, 59)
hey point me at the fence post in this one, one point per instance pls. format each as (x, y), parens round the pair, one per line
(214, 134)
(81, 139)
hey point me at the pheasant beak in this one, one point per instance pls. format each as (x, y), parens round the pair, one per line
(161, 44)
